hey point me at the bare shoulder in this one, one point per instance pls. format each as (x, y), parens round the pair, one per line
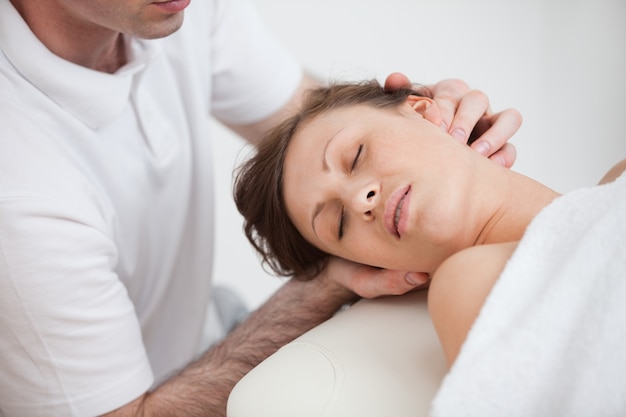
(614, 172)
(459, 289)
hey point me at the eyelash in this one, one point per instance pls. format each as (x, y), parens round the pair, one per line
(342, 218)
(356, 158)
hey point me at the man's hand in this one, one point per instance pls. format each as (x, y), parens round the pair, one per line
(369, 282)
(465, 114)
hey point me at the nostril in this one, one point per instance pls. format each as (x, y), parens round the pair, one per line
(370, 194)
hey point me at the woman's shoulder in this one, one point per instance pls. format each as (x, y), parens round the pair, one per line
(459, 289)
(615, 172)
(477, 259)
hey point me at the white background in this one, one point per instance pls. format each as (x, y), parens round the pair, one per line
(561, 63)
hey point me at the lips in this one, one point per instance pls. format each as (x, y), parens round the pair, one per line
(172, 6)
(396, 211)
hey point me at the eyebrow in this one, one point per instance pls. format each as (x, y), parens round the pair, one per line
(324, 159)
(320, 206)
(318, 209)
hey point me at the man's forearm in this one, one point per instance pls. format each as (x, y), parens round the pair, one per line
(202, 388)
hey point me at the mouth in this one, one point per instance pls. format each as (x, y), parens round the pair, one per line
(172, 6)
(394, 211)
(396, 218)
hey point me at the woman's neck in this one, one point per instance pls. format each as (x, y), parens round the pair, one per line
(521, 199)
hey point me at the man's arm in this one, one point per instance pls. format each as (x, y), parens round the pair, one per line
(254, 132)
(202, 388)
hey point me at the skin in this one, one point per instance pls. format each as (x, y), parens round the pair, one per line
(202, 388)
(91, 33)
(461, 111)
(461, 221)
(363, 190)
(459, 289)
(92, 39)
(93, 36)
(462, 283)
(400, 151)
(459, 224)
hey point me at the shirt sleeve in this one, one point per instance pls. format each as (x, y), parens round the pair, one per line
(253, 75)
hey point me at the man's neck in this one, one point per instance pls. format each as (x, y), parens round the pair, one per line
(92, 47)
(116, 59)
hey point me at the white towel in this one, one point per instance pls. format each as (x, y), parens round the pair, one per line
(550, 339)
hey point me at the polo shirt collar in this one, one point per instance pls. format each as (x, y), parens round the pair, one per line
(96, 98)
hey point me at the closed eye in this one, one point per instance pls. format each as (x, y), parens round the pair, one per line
(356, 158)
(342, 218)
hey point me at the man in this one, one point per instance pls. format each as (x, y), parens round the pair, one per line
(106, 205)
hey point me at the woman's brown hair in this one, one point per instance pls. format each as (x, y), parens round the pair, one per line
(258, 190)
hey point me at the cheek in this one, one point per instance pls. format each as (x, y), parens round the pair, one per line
(393, 158)
(366, 250)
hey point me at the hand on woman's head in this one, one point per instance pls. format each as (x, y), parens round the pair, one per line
(465, 114)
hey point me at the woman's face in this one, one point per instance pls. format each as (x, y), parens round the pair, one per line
(383, 187)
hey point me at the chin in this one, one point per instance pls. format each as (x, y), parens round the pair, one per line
(160, 29)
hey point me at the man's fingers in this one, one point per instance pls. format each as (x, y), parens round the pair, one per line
(370, 282)
(505, 156)
(448, 94)
(465, 114)
(472, 107)
(494, 140)
(396, 81)
(374, 283)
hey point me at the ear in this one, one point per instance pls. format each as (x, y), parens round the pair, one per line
(419, 104)
(426, 107)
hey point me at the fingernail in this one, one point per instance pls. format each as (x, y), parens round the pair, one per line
(499, 160)
(459, 134)
(415, 278)
(482, 148)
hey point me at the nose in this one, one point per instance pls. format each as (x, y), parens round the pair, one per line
(364, 199)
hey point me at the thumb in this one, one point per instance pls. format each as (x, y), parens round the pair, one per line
(396, 81)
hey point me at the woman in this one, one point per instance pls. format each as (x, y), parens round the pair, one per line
(362, 175)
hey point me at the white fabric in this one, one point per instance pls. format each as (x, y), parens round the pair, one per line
(550, 339)
(106, 204)
(379, 358)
